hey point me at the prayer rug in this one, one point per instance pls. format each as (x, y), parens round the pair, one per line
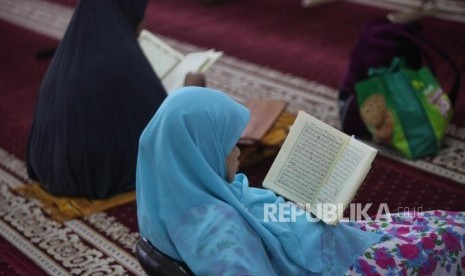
(65, 208)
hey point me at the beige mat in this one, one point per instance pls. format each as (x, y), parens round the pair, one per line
(65, 208)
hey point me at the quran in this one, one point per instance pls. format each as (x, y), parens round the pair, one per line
(319, 168)
(170, 65)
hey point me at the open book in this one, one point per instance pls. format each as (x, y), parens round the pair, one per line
(170, 65)
(320, 168)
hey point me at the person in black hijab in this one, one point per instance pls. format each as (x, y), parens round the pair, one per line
(97, 96)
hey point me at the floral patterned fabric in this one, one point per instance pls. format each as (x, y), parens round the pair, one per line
(426, 243)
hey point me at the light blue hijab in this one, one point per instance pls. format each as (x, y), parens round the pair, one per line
(189, 211)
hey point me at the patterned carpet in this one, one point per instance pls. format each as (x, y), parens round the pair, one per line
(100, 243)
(103, 243)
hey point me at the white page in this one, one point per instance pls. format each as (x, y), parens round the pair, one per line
(305, 159)
(162, 57)
(319, 164)
(170, 65)
(346, 177)
(193, 62)
(362, 156)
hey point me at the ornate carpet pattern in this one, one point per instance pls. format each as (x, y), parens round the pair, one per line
(103, 243)
(96, 244)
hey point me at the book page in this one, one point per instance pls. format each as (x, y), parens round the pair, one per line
(170, 65)
(356, 163)
(305, 160)
(345, 178)
(162, 57)
(319, 164)
(212, 55)
(193, 62)
(340, 175)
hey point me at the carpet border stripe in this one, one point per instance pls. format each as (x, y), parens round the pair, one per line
(105, 245)
(29, 250)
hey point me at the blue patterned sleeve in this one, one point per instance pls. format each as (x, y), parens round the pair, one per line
(225, 243)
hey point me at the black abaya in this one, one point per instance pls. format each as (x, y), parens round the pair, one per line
(97, 96)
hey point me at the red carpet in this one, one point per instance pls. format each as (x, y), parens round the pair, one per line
(19, 83)
(310, 43)
(12, 262)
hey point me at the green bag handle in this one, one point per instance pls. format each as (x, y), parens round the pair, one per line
(396, 64)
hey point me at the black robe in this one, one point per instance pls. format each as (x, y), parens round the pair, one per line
(98, 94)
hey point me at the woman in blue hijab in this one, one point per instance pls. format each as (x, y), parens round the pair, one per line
(97, 96)
(194, 208)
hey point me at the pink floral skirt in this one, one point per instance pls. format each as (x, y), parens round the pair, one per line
(426, 243)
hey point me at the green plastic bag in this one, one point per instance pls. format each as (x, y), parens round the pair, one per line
(405, 109)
